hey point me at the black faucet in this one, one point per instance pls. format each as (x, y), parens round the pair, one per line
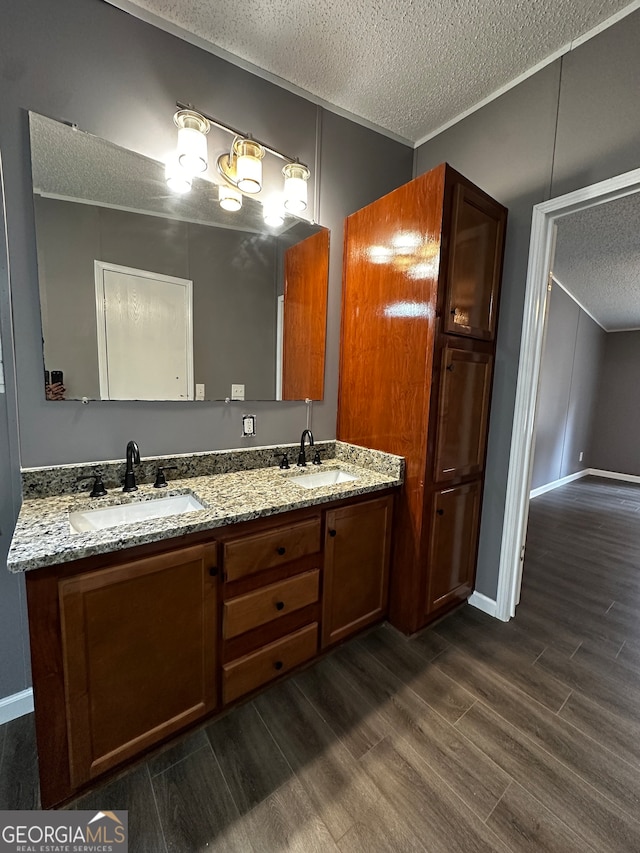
(302, 459)
(133, 457)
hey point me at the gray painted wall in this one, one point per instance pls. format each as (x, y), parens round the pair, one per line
(573, 353)
(511, 149)
(615, 444)
(119, 78)
(234, 292)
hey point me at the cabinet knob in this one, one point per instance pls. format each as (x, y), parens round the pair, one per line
(213, 571)
(449, 367)
(453, 312)
(278, 664)
(279, 605)
(332, 532)
(440, 511)
(281, 550)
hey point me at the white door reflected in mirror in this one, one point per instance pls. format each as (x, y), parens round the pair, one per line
(145, 334)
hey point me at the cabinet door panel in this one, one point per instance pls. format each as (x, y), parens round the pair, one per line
(356, 574)
(139, 646)
(453, 546)
(475, 261)
(465, 385)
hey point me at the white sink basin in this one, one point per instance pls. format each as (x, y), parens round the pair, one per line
(113, 516)
(323, 478)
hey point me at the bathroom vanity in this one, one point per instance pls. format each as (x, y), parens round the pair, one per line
(140, 630)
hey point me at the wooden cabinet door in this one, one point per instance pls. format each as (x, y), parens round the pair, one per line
(475, 264)
(453, 544)
(139, 653)
(356, 567)
(306, 282)
(463, 411)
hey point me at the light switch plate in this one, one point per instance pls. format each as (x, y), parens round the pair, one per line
(248, 425)
(237, 392)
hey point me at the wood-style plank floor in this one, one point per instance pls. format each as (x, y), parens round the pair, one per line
(472, 736)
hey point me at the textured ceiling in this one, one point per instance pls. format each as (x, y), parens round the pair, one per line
(598, 261)
(408, 66)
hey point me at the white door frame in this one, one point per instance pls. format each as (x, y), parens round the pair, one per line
(545, 215)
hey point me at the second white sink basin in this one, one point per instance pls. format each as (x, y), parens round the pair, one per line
(113, 516)
(323, 478)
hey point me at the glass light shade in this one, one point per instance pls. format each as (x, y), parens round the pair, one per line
(192, 150)
(229, 198)
(273, 211)
(295, 187)
(177, 179)
(249, 156)
(192, 141)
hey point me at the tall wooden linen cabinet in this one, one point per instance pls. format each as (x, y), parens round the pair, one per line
(422, 271)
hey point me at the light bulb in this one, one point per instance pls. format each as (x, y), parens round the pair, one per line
(229, 198)
(177, 179)
(273, 211)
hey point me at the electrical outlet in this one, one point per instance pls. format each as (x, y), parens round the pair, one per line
(199, 391)
(237, 392)
(248, 425)
(581, 456)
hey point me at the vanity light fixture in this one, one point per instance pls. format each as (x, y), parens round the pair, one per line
(296, 176)
(229, 198)
(192, 141)
(241, 166)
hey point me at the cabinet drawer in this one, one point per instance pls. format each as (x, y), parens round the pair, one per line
(272, 548)
(269, 602)
(251, 671)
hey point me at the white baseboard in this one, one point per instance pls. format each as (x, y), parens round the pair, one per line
(483, 602)
(16, 705)
(614, 475)
(586, 472)
(554, 484)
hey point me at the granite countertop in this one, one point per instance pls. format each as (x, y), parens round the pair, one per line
(43, 536)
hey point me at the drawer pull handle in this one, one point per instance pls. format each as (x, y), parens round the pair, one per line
(279, 605)
(278, 664)
(281, 550)
(332, 532)
(213, 571)
(440, 511)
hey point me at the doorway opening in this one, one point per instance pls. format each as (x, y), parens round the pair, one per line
(545, 217)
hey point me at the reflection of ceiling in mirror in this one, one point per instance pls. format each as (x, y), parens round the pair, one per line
(70, 164)
(598, 261)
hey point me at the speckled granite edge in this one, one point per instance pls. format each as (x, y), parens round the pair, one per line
(46, 482)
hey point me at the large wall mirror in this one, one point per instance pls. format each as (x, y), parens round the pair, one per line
(150, 295)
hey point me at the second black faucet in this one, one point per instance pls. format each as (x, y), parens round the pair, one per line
(302, 459)
(133, 458)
